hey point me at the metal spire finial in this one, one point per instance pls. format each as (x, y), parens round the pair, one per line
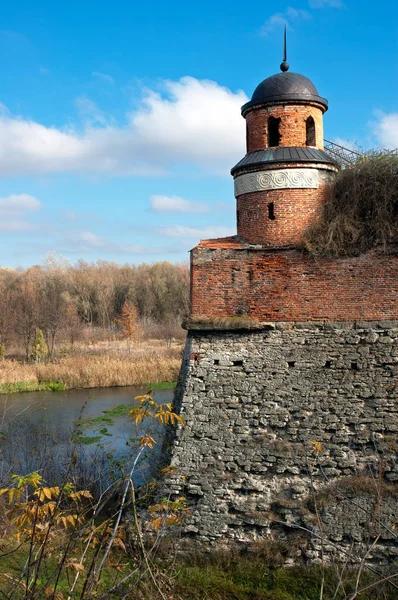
(284, 65)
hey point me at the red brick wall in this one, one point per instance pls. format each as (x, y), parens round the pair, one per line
(292, 127)
(287, 285)
(294, 210)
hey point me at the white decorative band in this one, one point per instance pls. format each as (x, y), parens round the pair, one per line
(277, 179)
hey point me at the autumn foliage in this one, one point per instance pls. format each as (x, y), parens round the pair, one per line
(63, 301)
(129, 321)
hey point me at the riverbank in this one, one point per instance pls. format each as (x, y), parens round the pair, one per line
(155, 363)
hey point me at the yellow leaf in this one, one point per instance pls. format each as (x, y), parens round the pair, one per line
(147, 440)
(86, 494)
(74, 564)
(118, 542)
(156, 523)
(317, 446)
(64, 522)
(47, 493)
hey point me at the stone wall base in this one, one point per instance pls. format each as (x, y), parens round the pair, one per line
(291, 433)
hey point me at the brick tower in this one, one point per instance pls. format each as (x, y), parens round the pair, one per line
(313, 356)
(281, 186)
(282, 182)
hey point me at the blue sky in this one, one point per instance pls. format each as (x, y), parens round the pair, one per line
(119, 122)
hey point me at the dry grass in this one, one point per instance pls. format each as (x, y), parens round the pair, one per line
(362, 212)
(228, 323)
(12, 371)
(120, 367)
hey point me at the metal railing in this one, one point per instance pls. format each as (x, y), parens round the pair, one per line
(343, 156)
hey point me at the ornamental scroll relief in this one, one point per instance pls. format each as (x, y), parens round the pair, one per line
(276, 180)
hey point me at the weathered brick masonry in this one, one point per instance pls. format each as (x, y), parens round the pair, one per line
(291, 285)
(294, 211)
(292, 128)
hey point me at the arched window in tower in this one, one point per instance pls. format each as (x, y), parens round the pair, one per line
(310, 132)
(274, 137)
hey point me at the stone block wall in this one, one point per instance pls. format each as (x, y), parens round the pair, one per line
(286, 419)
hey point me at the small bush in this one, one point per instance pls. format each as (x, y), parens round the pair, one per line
(39, 350)
(362, 211)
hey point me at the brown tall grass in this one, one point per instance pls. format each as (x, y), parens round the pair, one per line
(135, 366)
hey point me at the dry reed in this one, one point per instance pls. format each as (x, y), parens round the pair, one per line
(137, 366)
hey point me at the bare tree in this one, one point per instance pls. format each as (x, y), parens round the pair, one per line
(26, 308)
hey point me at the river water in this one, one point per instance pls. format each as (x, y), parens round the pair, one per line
(38, 432)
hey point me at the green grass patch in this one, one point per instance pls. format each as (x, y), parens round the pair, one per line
(11, 567)
(161, 385)
(213, 577)
(32, 386)
(251, 579)
(100, 424)
(86, 440)
(120, 410)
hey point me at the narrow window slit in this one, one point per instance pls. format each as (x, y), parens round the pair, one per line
(291, 364)
(354, 366)
(271, 211)
(216, 361)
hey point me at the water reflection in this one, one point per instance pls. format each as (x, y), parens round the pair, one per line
(37, 428)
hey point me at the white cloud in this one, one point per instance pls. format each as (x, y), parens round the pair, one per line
(14, 210)
(176, 204)
(386, 129)
(325, 3)
(181, 231)
(104, 77)
(287, 17)
(17, 204)
(193, 122)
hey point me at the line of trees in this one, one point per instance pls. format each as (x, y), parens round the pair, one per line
(58, 297)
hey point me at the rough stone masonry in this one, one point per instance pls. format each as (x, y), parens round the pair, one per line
(273, 418)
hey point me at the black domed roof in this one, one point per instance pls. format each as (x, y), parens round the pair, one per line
(285, 87)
